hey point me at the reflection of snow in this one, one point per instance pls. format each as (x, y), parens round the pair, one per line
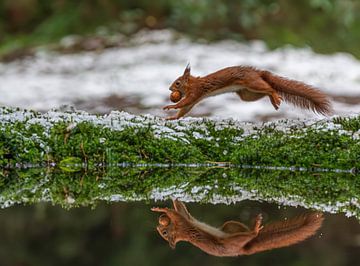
(197, 194)
(155, 59)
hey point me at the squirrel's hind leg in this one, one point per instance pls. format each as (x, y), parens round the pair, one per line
(249, 96)
(232, 227)
(260, 86)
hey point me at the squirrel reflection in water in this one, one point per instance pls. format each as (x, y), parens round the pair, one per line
(234, 238)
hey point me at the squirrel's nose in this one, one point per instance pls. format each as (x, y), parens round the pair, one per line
(172, 243)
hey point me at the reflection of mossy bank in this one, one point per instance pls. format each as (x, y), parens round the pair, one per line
(333, 192)
(67, 143)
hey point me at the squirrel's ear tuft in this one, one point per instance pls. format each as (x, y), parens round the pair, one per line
(187, 71)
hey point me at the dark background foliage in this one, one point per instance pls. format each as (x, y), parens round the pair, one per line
(324, 25)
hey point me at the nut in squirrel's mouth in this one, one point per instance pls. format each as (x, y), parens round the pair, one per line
(164, 220)
(176, 96)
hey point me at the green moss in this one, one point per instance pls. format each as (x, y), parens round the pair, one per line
(79, 155)
(350, 124)
(309, 148)
(143, 140)
(71, 164)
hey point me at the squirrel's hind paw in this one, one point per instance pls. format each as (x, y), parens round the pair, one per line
(258, 221)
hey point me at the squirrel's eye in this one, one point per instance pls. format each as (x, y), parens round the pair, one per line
(164, 233)
(177, 83)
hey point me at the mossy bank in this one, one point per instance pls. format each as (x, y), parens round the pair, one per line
(29, 137)
(309, 163)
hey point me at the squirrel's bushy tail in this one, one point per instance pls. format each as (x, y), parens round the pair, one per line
(282, 234)
(299, 93)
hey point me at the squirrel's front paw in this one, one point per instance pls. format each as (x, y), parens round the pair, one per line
(168, 107)
(158, 209)
(171, 117)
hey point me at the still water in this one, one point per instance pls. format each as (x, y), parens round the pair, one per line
(51, 216)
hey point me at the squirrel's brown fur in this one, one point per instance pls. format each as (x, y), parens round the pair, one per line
(250, 84)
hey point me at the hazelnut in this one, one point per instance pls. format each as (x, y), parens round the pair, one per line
(175, 96)
(164, 220)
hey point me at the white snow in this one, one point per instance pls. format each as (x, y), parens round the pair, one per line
(155, 59)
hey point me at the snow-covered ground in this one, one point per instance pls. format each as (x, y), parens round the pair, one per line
(141, 73)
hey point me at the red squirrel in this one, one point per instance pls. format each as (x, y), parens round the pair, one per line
(250, 84)
(234, 238)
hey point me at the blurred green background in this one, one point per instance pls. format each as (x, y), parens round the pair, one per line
(325, 25)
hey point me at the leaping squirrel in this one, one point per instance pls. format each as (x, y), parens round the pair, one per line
(250, 84)
(234, 238)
